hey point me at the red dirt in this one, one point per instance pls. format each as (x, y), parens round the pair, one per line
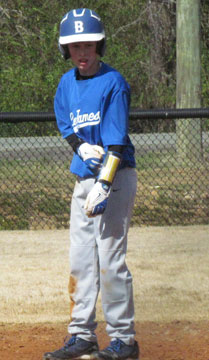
(174, 341)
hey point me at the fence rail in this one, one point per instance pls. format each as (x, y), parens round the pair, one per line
(17, 117)
(173, 186)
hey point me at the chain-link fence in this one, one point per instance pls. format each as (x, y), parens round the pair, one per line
(172, 163)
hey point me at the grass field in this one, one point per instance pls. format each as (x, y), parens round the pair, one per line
(169, 267)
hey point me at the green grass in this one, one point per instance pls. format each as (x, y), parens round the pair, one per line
(37, 195)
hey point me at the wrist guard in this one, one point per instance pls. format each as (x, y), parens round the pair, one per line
(109, 167)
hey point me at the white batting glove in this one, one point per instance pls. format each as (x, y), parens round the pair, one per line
(96, 200)
(92, 155)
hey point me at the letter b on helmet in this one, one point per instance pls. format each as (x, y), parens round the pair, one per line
(79, 28)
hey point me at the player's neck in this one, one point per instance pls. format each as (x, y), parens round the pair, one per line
(81, 76)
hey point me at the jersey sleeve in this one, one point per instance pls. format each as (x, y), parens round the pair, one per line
(61, 109)
(114, 126)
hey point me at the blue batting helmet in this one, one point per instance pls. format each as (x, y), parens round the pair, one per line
(81, 25)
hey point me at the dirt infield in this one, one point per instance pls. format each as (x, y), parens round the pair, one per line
(174, 341)
(170, 271)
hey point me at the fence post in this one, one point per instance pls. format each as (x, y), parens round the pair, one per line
(188, 87)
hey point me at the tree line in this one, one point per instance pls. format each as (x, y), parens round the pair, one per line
(141, 44)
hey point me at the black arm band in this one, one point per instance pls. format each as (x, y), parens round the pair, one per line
(74, 141)
(116, 148)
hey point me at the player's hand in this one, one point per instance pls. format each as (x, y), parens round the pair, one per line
(92, 155)
(96, 200)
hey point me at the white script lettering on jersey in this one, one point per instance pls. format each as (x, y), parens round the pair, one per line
(82, 120)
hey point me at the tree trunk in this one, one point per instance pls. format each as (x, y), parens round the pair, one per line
(188, 88)
(161, 28)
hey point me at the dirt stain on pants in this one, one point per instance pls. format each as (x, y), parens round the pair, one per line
(72, 289)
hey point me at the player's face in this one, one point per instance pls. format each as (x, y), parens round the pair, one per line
(84, 56)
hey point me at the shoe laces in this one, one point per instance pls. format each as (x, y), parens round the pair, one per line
(115, 345)
(68, 341)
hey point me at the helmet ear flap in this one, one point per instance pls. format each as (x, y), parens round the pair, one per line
(101, 46)
(64, 51)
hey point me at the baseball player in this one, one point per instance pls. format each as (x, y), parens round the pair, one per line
(92, 110)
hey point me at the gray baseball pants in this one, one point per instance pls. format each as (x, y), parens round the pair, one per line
(97, 261)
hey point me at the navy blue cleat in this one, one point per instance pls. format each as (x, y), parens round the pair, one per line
(74, 348)
(118, 350)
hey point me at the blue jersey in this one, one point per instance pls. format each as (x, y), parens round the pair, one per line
(97, 111)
